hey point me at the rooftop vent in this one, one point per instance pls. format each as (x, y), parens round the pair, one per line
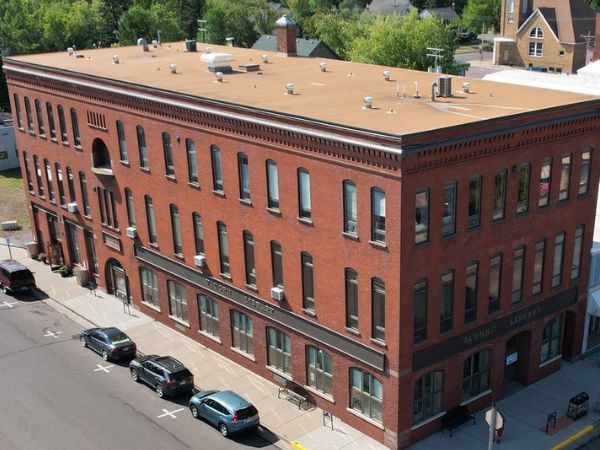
(444, 86)
(70, 50)
(173, 68)
(141, 42)
(387, 75)
(323, 67)
(215, 58)
(219, 76)
(207, 50)
(265, 58)
(154, 43)
(289, 89)
(466, 87)
(368, 102)
(229, 41)
(190, 45)
(116, 59)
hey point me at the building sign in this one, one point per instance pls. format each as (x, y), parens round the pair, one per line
(355, 350)
(484, 333)
(112, 241)
(512, 358)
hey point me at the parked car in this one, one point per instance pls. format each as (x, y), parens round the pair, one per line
(111, 343)
(15, 277)
(165, 374)
(226, 410)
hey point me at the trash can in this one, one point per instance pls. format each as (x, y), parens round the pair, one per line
(32, 249)
(578, 406)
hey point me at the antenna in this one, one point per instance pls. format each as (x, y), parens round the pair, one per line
(436, 54)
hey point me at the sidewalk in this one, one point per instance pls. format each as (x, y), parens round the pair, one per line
(280, 419)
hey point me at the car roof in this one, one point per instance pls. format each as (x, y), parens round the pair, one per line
(111, 331)
(169, 363)
(12, 266)
(231, 399)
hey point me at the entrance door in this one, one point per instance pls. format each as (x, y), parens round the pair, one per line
(116, 279)
(511, 360)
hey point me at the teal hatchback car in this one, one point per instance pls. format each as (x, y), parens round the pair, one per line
(226, 410)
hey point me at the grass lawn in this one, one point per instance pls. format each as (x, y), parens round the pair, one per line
(13, 203)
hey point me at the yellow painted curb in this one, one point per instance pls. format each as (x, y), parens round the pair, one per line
(297, 446)
(573, 438)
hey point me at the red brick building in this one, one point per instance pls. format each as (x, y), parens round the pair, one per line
(396, 252)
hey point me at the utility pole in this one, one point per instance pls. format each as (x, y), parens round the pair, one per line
(492, 427)
(436, 54)
(202, 29)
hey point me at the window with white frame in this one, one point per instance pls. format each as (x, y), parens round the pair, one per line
(242, 332)
(536, 33)
(304, 209)
(177, 301)
(536, 49)
(149, 287)
(350, 214)
(209, 315)
(366, 394)
(319, 370)
(279, 350)
(377, 215)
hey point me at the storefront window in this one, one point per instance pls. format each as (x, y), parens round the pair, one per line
(476, 374)
(551, 340)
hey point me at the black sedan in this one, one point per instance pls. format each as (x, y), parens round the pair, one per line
(111, 343)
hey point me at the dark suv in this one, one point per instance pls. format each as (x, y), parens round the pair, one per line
(15, 277)
(165, 374)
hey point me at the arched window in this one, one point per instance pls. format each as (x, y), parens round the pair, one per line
(536, 33)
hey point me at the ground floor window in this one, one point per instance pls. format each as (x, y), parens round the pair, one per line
(279, 350)
(73, 243)
(551, 340)
(366, 394)
(241, 332)
(593, 332)
(476, 374)
(177, 301)
(319, 370)
(427, 396)
(209, 315)
(149, 287)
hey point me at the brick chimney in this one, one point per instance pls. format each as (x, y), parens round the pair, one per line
(286, 35)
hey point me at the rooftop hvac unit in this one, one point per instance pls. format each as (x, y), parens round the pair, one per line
(72, 207)
(190, 45)
(131, 232)
(445, 86)
(199, 260)
(277, 293)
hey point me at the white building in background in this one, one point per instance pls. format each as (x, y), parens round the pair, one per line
(8, 152)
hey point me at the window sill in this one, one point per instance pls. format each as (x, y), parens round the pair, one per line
(151, 306)
(306, 221)
(63, 206)
(428, 420)
(378, 244)
(53, 139)
(309, 312)
(179, 256)
(32, 133)
(551, 360)
(87, 216)
(42, 136)
(153, 244)
(65, 143)
(365, 418)
(53, 202)
(172, 178)
(252, 287)
(226, 276)
(353, 331)
(125, 163)
(323, 395)
(378, 342)
(245, 201)
(477, 397)
(179, 321)
(78, 147)
(219, 193)
(194, 184)
(244, 354)
(352, 236)
(210, 336)
(276, 371)
(145, 169)
(274, 211)
(21, 128)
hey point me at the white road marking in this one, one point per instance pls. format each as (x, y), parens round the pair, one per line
(170, 413)
(10, 305)
(53, 334)
(103, 368)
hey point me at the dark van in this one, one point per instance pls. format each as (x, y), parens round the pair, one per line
(15, 277)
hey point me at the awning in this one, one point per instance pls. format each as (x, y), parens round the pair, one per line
(593, 303)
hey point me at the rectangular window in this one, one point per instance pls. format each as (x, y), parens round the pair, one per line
(420, 312)
(565, 178)
(190, 147)
(84, 195)
(499, 195)
(471, 278)
(38, 175)
(279, 350)
(351, 278)
(29, 115)
(142, 148)
(377, 215)
(75, 126)
(559, 243)
(244, 176)
(249, 258)
(449, 214)
(198, 233)
(584, 177)
(366, 394)
(242, 333)
(551, 340)
(209, 315)
(422, 216)
(63, 125)
(217, 169)
(49, 181)
(73, 243)
(517, 278)
(277, 264)
(308, 295)
(577, 246)
(18, 111)
(272, 185)
(523, 190)
(177, 301)
(536, 49)
(100, 193)
(538, 267)
(40, 118)
(350, 215)
(223, 248)
(168, 154)
(176, 230)
(130, 207)
(494, 288)
(378, 309)
(51, 124)
(149, 287)
(122, 142)
(90, 245)
(71, 184)
(304, 210)
(545, 179)
(474, 219)
(319, 370)
(447, 301)
(59, 182)
(476, 374)
(427, 397)
(150, 218)
(27, 172)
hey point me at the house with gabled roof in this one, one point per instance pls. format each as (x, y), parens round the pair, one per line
(545, 35)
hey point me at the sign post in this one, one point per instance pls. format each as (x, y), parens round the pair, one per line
(495, 421)
(551, 418)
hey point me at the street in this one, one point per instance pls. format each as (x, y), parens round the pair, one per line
(58, 395)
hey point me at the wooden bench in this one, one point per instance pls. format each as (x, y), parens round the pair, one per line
(294, 392)
(456, 417)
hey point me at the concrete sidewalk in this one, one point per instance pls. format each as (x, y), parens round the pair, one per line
(282, 421)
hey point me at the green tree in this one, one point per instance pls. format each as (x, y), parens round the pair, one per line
(139, 21)
(216, 25)
(20, 32)
(595, 4)
(481, 15)
(338, 29)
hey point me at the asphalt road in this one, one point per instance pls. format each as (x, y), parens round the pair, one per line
(54, 394)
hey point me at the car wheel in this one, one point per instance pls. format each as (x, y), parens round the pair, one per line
(134, 375)
(223, 429)
(5, 289)
(82, 341)
(104, 355)
(159, 391)
(194, 411)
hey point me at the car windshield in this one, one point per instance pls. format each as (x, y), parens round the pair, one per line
(181, 374)
(119, 338)
(245, 413)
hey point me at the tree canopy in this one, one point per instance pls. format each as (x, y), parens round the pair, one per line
(482, 15)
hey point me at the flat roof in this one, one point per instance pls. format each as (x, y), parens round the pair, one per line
(335, 95)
